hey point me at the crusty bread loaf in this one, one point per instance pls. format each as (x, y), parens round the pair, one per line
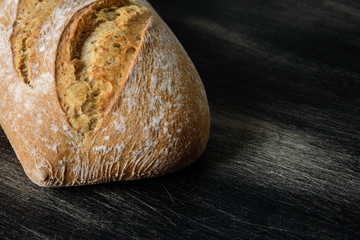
(97, 91)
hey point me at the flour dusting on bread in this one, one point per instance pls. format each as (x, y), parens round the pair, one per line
(97, 91)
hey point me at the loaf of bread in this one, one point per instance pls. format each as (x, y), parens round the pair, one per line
(94, 91)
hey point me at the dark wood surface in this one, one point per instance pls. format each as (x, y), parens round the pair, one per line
(283, 82)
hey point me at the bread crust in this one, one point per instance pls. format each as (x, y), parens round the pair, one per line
(157, 123)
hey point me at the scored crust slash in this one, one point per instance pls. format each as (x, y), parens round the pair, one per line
(97, 91)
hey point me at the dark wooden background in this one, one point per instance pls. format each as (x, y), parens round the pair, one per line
(283, 82)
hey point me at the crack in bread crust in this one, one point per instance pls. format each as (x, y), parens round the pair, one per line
(95, 55)
(31, 16)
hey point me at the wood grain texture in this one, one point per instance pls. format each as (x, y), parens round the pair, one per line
(283, 81)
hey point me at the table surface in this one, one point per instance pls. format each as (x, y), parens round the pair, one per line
(283, 82)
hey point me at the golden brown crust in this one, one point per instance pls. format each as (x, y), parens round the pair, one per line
(156, 122)
(30, 17)
(96, 52)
